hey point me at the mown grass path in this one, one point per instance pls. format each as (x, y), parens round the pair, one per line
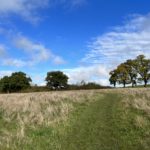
(94, 128)
(104, 125)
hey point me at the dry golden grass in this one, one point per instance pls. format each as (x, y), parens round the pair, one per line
(32, 109)
(47, 108)
(41, 108)
(137, 98)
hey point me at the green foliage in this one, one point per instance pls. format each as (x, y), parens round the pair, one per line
(56, 80)
(5, 84)
(15, 83)
(113, 77)
(131, 72)
(85, 86)
(123, 75)
(143, 68)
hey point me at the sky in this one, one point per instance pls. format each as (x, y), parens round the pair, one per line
(83, 38)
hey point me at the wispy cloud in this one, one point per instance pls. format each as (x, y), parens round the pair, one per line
(74, 3)
(32, 52)
(5, 73)
(36, 51)
(93, 73)
(29, 10)
(122, 42)
(14, 62)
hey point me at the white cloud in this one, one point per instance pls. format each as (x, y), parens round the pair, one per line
(5, 73)
(32, 52)
(123, 42)
(119, 44)
(28, 9)
(36, 52)
(14, 62)
(39, 79)
(93, 73)
(58, 60)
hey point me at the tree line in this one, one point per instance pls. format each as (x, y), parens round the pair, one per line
(55, 80)
(133, 71)
(130, 72)
(19, 81)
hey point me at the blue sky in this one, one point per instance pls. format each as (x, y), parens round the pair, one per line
(84, 38)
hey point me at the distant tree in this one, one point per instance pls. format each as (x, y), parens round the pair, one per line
(122, 75)
(143, 68)
(82, 82)
(91, 85)
(56, 79)
(5, 84)
(130, 66)
(113, 77)
(19, 81)
(16, 82)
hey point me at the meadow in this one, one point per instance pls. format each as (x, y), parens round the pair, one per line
(108, 119)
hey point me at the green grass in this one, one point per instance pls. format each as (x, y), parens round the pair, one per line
(104, 124)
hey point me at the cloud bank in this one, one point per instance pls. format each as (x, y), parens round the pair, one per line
(33, 52)
(122, 42)
(93, 73)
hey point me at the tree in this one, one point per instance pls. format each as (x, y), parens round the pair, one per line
(143, 68)
(19, 81)
(130, 66)
(122, 74)
(132, 71)
(5, 84)
(56, 79)
(16, 82)
(113, 77)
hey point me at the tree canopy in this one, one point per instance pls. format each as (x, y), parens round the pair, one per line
(131, 72)
(56, 79)
(14, 83)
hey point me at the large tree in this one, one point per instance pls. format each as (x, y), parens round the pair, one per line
(19, 81)
(113, 77)
(122, 75)
(143, 68)
(130, 66)
(56, 79)
(5, 84)
(15, 83)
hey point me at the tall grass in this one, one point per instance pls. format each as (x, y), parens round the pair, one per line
(21, 111)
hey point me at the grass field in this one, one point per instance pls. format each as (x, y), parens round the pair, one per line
(115, 119)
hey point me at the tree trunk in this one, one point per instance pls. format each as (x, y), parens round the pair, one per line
(145, 83)
(124, 84)
(114, 84)
(132, 84)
